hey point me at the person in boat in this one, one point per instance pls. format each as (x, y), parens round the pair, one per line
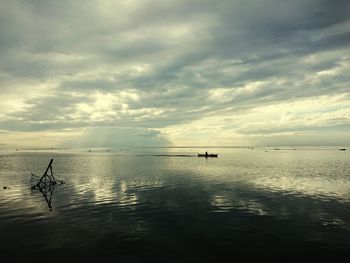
(206, 154)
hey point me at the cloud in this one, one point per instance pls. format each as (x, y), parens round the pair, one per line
(155, 66)
(118, 137)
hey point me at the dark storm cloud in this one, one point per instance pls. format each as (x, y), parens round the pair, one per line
(179, 60)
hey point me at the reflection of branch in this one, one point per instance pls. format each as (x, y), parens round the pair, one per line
(47, 191)
(47, 184)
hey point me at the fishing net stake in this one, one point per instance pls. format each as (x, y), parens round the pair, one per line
(47, 178)
(47, 183)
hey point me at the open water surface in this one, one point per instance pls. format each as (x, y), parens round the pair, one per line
(167, 205)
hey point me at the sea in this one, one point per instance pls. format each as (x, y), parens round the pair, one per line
(168, 205)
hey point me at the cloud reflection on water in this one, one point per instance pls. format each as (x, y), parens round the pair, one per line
(120, 199)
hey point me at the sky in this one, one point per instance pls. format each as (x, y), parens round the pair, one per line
(174, 73)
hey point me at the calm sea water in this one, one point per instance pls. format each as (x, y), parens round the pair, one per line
(127, 206)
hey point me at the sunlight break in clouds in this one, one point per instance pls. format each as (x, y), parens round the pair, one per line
(111, 73)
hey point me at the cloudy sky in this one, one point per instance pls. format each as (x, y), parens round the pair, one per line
(180, 72)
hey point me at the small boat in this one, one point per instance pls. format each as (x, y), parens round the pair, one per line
(206, 155)
(342, 149)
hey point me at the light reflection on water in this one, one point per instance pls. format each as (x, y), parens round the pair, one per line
(132, 207)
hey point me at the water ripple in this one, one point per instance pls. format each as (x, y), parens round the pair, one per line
(244, 199)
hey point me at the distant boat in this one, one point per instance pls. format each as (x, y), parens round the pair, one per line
(342, 149)
(206, 155)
